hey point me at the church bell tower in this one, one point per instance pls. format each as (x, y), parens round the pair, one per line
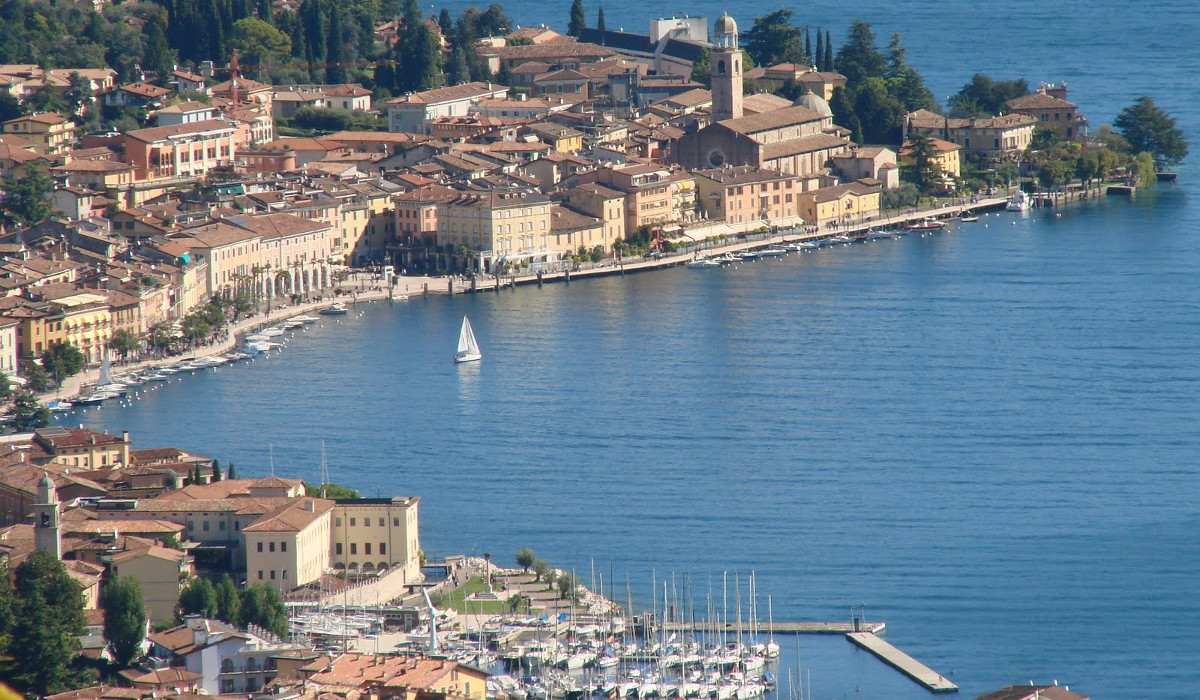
(726, 70)
(46, 534)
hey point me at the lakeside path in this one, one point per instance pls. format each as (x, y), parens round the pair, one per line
(356, 290)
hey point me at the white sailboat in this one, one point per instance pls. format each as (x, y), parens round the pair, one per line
(468, 348)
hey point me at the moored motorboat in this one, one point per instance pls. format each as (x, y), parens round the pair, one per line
(772, 251)
(703, 262)
(1019, 202)
(337, 309)
(925, 224)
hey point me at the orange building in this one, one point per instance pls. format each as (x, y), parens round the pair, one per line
(180, 150)
(746, 193)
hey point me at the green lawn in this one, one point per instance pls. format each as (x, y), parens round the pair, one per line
(457, 600)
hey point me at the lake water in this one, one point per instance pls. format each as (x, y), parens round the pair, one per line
(988, 436)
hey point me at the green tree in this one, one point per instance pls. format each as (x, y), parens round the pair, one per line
(27, 413)
(905, 84)
(985, 97)
(48, 576)
(859, 58)
(1144, 168)
(542, 570)
(10, 106)
(335, 48)
(702, 68)
(262, 605)
(331, 491)
(232, 472)
(6, 390)
(63, 360)
(578, 20)
(216, 471)
(525, 558)
(78, 96)
(26, 198)
(601, 26)
(774, 38)
(229, 605)
(445, 22)
(827, 61)
(157, 55)
(925, 172)
(36, 378)
(125, 342)
(258, 42)
(1054, 174)
(8, 608)
(566, 583)
(198, 597)
(1148, 128)
(43, 666)
(124, 619)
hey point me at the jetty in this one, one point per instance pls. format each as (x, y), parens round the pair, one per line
(919, 672)
(780, 627)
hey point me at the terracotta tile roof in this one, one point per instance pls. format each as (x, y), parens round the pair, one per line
(829, 194)
(1038, 100)
(148, 90)
(281, 225)
(742, 174)
(163, 676)
(359, 670)
(771, 120)
(57, 438)
(552, 50)
(807, 144)
(291, 517)
(564, 219)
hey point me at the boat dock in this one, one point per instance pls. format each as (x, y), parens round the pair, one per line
(847, 627)
(919, 672)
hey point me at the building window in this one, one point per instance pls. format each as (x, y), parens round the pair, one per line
(338, 522)
(272, 546)
(396, 522)
(353, 522)
(383, 548)
(366, 548)
(260, 549)
(353, 548)
(204, 526)
(260, 574)
(221, 525)
(283, 546)
(226, 685)
(381, 522)
(338, 549)
(272, 574)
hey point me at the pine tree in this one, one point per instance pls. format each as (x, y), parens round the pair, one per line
(157, 56)
(124, 619)
(8, 608)
(445, 22)
(600, 26)
(460, 72)
(578, 20)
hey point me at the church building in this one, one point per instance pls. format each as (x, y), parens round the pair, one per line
(798, 140)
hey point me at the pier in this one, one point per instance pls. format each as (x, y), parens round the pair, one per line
(890, 655)
(781, 627)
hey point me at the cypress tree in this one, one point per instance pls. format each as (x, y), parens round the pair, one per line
(808, 47)
(600, 26)
(216, 471)
(819, 56)
(232, 472)
(445, 22)
(578, 20)
(265, 13)
(828, 51)
(459, 71)
(229, 605)
(335, 48)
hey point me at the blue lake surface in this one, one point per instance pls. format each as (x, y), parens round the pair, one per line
(988, 436)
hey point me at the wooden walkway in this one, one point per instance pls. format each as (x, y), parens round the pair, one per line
(919, 672)
(782, 627)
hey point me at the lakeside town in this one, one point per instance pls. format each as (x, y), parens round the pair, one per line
(267, 161)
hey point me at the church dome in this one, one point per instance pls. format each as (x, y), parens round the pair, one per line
(725, 25)
(814, 103)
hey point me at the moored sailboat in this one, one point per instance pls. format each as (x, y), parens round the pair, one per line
(468, 347)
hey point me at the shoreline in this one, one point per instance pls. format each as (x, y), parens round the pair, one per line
(403, 288)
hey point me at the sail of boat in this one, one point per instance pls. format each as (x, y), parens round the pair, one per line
(468, 348)
(105, 371)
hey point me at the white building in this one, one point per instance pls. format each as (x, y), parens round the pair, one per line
(412, 113)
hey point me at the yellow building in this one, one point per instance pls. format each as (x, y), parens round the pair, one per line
(377, 534)
(159, 571)
(289, 546)
(50, 132)
(80, 447)
(562, 139)
(605, 204)
(945, 155)
(843, 204)
(499, 227)
(85, 321)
